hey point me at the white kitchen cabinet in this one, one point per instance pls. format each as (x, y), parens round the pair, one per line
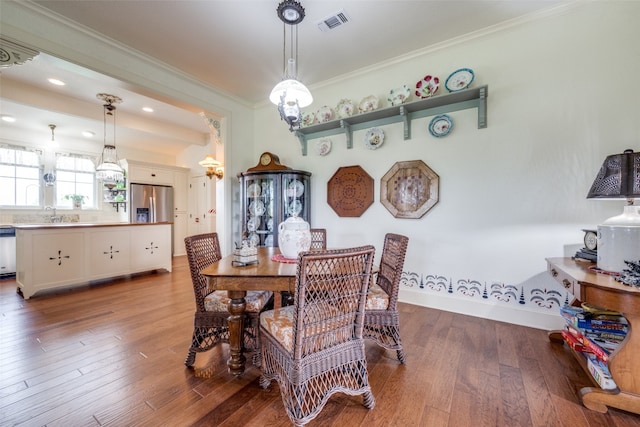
(150, 247)
(180, 191)
(60, 255)
(180, 226)
(109, 252)
(150, 175)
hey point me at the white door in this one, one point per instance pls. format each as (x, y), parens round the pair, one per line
(202, 205)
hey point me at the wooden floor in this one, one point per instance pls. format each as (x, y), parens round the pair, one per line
(112, 354)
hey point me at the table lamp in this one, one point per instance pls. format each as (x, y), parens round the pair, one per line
(619, 236)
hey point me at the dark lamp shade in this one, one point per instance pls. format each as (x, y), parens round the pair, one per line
(619, 177)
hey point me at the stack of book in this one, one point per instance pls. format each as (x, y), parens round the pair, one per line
(595, 332)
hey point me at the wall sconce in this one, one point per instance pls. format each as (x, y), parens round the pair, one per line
(212, 166)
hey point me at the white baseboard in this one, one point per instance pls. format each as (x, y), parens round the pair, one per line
(484, 309)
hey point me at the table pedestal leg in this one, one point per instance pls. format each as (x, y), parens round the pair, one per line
(237, 305)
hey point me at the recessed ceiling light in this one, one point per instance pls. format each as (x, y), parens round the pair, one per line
(88, 134)
(9, 119)
(147, 109)
(57, 82)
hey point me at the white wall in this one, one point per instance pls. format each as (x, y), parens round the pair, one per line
(562, 96)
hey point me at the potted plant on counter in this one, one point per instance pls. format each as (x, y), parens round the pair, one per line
(77, 199)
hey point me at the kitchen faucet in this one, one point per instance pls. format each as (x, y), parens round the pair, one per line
(54, 218)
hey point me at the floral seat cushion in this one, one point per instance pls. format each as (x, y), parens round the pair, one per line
(279, 323)
(377, 299)
(219, 301)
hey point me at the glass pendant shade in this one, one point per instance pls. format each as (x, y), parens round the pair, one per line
(293, 91)
(109, 170)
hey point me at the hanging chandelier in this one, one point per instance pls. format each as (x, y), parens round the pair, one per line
(109, 170)
(290, 94)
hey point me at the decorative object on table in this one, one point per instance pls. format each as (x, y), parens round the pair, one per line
(427, 87)
(350, 191)
(440, 126)
(245, 254)
(631, 275)
(212, 166)
(345, 108)
(619, 236)
(323, 146)
(308, 118)
(374, 138)
(399, 95)
(590, 250)
(324, 114)
(290, 95)
(409, 189)
(460, 79)
(368, 103)
(294, 236)
(109, 170)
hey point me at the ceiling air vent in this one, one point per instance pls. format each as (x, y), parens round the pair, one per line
(334, 21)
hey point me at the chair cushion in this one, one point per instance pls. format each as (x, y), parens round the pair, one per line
(377, 298)
(279, 323)
(219, 301)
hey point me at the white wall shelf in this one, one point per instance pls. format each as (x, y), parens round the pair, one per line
(455, 101)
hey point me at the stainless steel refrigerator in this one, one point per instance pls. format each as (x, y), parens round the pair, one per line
(150, 203)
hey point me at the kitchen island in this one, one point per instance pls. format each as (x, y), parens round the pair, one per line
(50, 256)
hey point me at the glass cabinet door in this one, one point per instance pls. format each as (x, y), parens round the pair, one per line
(268, 198)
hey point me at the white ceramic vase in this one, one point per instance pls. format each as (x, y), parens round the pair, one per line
(293, 237)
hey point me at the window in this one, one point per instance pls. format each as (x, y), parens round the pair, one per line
(75, 177)
(19, 177)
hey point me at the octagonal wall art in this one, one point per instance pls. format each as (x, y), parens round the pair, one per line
(350, 191)
(409, 189)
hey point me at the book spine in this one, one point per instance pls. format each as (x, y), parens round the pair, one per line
(589, 344)
(574, 342)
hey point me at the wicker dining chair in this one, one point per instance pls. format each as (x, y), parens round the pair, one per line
(318, 238)
(381, 319)
(210, 318)
(315, 347)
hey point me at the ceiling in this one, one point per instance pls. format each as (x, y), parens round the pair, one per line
(235, 46)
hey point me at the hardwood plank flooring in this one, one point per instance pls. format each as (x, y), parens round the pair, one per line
(112, 354)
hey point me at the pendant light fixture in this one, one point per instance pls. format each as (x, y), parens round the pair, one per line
(109, 170)
(52, 144)
(290, 94)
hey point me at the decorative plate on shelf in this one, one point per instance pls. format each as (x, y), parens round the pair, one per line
(324, 114)
(295, 207)
(399, 96)
(345, 108)
(295, 188)
(374, 138)
(308, 118)
(427, 87)
(368, 103)
(459, 79)
(256, 208)
(440, 126)
(254, 239)
(254, 190)
(323, 146)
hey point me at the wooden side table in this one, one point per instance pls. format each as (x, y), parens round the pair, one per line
(602, 290)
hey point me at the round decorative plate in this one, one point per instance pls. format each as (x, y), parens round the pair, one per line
(254, 223)
(254, 190)
(254, 239)
(427, 87)
(345, 108)
(323, 146)
(256, 208)
(295, 207)
(440, 126)
(324, 114)
(308, 118)
(295, 188)
(399, 95)
(374, 138)
(269, 240)
(368, 103)
(270, 224)
(459, 79)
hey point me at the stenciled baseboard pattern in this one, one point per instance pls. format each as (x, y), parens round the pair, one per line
(535, 302)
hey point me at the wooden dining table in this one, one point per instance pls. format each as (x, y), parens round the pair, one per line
(266, 275)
